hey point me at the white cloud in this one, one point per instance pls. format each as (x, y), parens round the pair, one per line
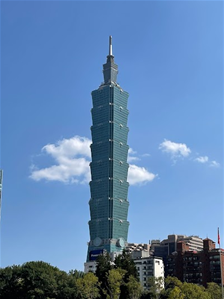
(214, 164)
(131, 151)
(72, 157)
(131, 156)
(69, 147)
(175, 149)
(202, 159)
(205, 159)
(139, 175)
(131, 159)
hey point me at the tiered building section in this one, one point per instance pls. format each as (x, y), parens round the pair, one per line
(109, 168)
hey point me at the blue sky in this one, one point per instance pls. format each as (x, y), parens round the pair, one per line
(170, 59)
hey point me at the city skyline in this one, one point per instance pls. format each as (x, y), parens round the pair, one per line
(173, 73)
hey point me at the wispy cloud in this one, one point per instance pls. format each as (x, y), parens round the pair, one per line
(214, 164)
(71, 163)
(205, 159)
(179, 150)
(132, 155)
(202, 159)
(175, 149)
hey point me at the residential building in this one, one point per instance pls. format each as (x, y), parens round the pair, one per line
(150, 267)
(194, 266)
(168, 246)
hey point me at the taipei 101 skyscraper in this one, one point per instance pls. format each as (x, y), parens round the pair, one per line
(108, 225)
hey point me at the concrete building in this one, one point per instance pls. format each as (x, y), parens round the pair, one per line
(168, 246)
(150, 267)
(147, 265)
(194, 242)
(108, 223)
(198, 267)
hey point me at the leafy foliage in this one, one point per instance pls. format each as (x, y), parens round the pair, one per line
(39, 280)
(87, 286)
(214, 290)
(115, 277)
(104, 265)
(114, 282)
(175, 289)
(134, 288)
(125, 262)
(36, 280)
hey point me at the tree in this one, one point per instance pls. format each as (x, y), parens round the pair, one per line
(114, 282)
(125, 262)
(193, 291)
(87, 286)
(104, 265)
(172, 287)
(36, 280)
(76, 274)
(176, 293)
(155, 286)
(134, 288)
(171, 282)
(11, 282)
(214, 290)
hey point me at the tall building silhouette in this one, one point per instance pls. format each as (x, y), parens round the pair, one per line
(108, 225)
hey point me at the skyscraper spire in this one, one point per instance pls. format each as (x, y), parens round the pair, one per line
(110, 68)
(110, 46)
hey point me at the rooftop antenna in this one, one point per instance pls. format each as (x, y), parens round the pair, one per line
(110, 46)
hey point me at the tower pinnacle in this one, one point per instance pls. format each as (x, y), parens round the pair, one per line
(110, 46)
(110, 68)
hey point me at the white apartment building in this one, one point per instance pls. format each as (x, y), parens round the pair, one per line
(150, 267)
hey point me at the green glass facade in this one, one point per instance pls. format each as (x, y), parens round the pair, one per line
(109, 168)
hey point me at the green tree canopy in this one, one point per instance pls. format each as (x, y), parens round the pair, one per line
(195, 291)
(125, 262)
(114, 282)
(104, 265)
(88, 286)
(214, 290)
(134, 288)
(36, 280)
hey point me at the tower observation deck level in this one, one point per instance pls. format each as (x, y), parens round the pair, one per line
(108, 225)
